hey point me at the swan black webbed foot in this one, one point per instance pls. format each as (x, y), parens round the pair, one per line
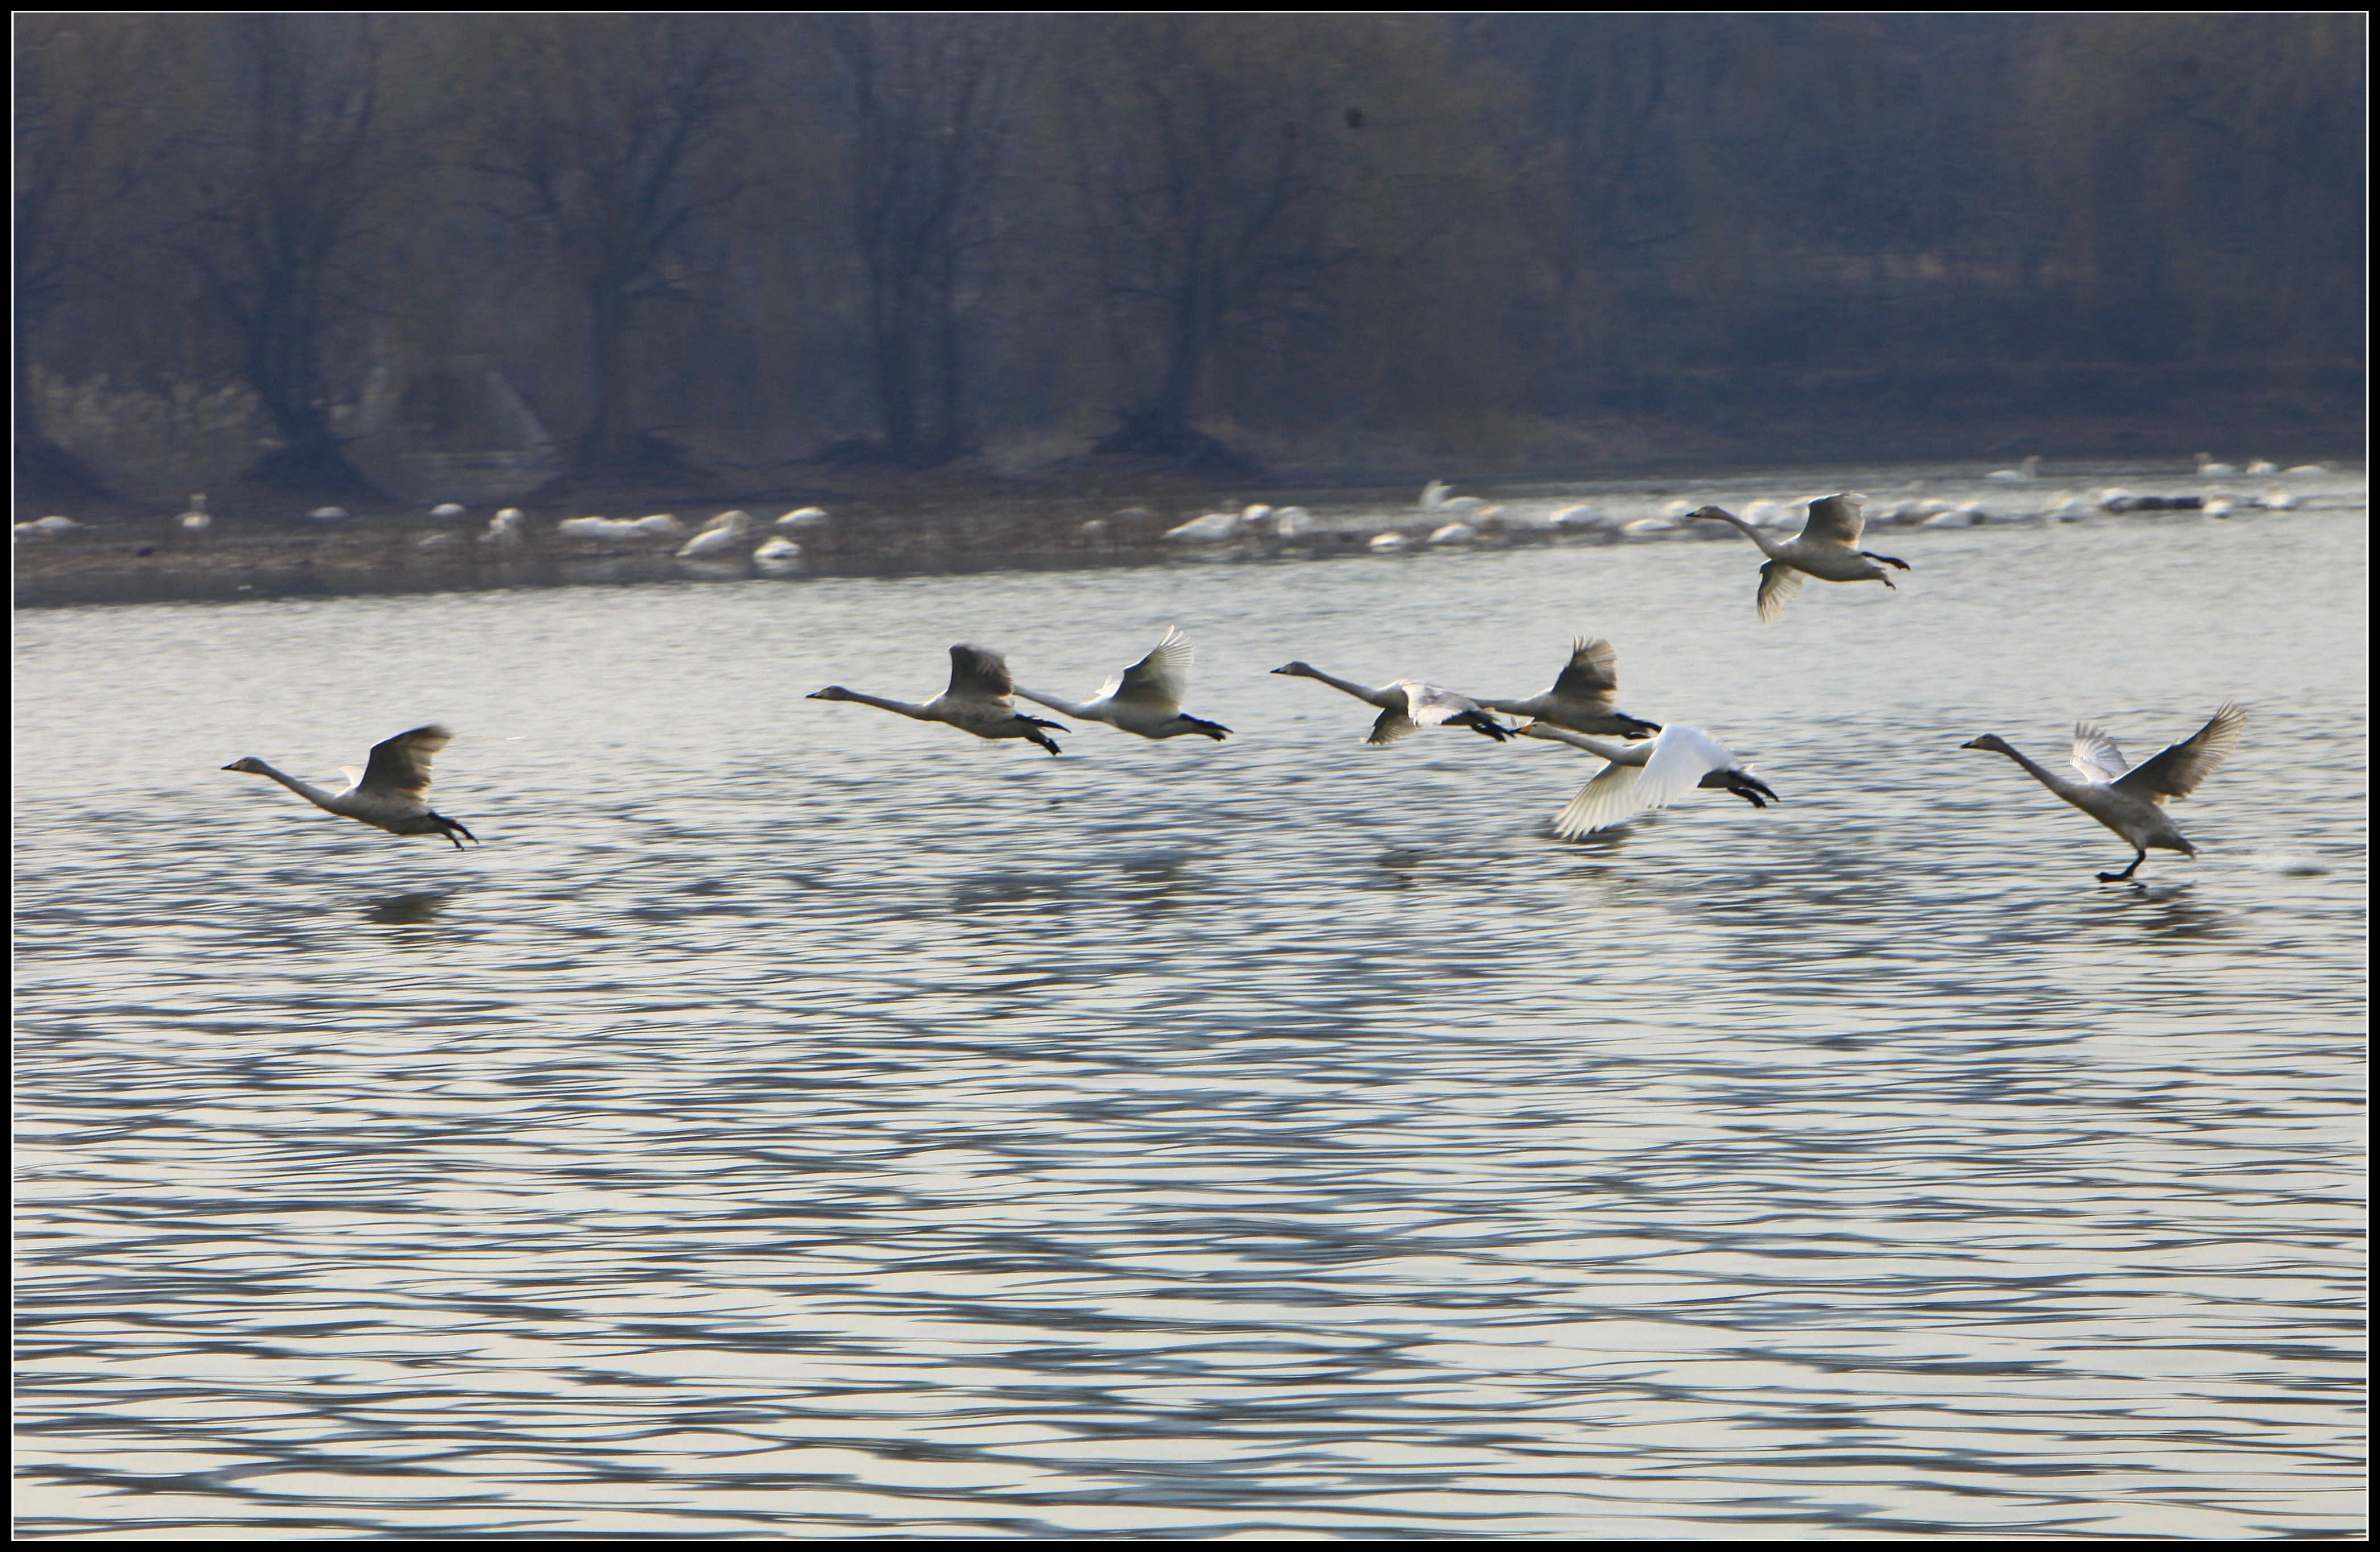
(2125, 875)
(1753, 790)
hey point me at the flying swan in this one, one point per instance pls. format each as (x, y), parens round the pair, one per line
(389, 793)
(1146, 698)
(1582, 696)
(2132, 802)
(1408, 705)
(979, 701)
(1649, 775)
(1826, 548)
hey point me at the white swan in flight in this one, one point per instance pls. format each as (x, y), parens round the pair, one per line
(1826, 548)
(389, 793)
(1146, 698)
(2132, 802)
(1407, 707)
(1582, 696)
(981, 700)
(1649, 775)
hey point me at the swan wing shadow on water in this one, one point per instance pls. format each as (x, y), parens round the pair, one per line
(1009, 887)
(416, 908)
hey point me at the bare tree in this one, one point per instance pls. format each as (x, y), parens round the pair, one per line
(613, 139)
(82, 159)
(277, 170)
(2195, 170)
(1207, 152)
(932, 98)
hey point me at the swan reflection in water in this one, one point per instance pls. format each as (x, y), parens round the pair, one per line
(2170, 910)
(411, 909)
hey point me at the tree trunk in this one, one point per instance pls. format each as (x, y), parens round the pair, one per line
(45, 470)
(949, 364)
(890, 320)
(609, 439)
(1185, 354)
(283, 370)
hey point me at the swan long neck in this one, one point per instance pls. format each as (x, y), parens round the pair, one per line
(1069, 707)
(1617, 753)
(2048, 778)
(1768, 546)
(905, 708)
(1361, 692)
(305, 789)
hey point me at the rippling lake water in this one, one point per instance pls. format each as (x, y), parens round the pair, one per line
(799, 1121)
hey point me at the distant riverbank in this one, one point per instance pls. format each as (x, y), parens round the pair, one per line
(1079, 512)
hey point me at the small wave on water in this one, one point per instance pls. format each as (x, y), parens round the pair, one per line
(2289, 865)
(799, 1121)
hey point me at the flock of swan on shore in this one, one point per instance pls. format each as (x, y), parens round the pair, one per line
(1447, 520)
(1647, 764)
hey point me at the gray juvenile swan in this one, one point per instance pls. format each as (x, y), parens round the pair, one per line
(1408, 705)
(1146, 698)
(1582, 696)
(2132, 802)
(389, 793)
(1826, 548)
(1649, 775)
(979, 701)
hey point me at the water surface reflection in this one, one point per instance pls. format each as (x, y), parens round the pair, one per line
(795, 1125)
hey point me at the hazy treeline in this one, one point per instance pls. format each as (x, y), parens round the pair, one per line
(761, 235)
